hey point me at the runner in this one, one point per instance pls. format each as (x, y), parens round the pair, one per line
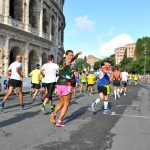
(63, 87)
(124, 81)
(15, 81)
(49, 71)
(91, 80)
(43, 90)
(103, 87)
(129, 78)
(74, 83)
(83, 82)
(135, 78)
(36, 79)
(116, 77)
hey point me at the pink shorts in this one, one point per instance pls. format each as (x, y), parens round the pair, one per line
(63, 90)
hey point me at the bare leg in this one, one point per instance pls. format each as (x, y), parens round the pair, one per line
(20, 95)
(64, 109)
(8, 93)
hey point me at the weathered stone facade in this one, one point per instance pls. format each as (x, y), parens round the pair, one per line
(32, 28)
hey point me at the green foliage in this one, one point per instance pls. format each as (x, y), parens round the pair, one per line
(80, 63)
(97, 64)
(100, 62)
(139, 50)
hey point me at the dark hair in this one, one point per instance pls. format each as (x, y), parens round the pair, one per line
(116, 68)
(37, 66)
(68, 51)
(50, 57)
(107, 60)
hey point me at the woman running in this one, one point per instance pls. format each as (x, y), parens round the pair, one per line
(64, 87)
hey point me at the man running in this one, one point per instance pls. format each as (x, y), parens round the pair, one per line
(49, 71)
(116, 76)
(124, 81)
(135, 78)
(15, 81)
(64, 87)
(103, 87)
(83, 82)
(91, 80)
(36, 79)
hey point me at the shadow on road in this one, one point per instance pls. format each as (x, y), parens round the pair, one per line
(18, 118)
(76, 114)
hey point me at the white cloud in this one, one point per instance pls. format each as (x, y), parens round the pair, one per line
(81, 24)
(84, 23)
(107, 48)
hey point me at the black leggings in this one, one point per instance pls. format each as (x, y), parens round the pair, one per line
(50, 88)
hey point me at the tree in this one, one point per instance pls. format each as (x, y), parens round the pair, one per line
(81, 63)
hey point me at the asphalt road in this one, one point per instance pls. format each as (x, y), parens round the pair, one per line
(126, 128)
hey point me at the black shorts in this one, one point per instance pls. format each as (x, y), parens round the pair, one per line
(83, 83)
(102, 89)
(116, 83)
(36, 86)
(44, 85)
(124, 83)
(14, 83)
(90, 85)
(50, 88)
(73, 84)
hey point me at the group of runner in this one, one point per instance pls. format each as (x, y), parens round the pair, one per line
(64, 81)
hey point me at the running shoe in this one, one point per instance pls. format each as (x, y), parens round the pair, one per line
(106, 111)
(93, 106)
(52, 118)
(124, 94)
(42, 101)
(52, 107)
(23, 107)
(60, 124)
(42, 107)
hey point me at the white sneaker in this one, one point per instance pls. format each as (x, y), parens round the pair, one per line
(124, 94)
(93, 107)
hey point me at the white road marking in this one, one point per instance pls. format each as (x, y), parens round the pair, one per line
(133, 116)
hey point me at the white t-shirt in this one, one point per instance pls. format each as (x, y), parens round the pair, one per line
(50, 70)
(124, 76)
(13, 67)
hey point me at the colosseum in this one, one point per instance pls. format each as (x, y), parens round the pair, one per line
(32, 28)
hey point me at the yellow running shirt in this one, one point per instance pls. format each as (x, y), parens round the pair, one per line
(91, 78)
(36, 76)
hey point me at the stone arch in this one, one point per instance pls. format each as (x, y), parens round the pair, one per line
(16, 9)
(44, 58)
(33, 13)
(53, 26)
(13, 53)
(45, 20)
(33, 60)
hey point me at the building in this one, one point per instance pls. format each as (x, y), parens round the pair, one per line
(92, 59)
(33, 29)
(120, 52)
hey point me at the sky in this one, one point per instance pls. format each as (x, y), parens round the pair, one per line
(97, 27)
